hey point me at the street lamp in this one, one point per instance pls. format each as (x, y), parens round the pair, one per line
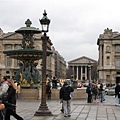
(89, 68)
(43, 109)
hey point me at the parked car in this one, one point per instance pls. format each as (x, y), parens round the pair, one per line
(110, 90)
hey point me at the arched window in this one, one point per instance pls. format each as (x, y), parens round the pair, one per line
(108, 60)
(108, 49)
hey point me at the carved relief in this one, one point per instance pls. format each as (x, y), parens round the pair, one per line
(82, 60)
(12, 35)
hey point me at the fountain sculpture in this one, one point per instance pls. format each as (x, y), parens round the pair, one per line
(28, 75)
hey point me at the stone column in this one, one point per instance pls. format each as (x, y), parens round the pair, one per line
(90, 72)
(85, 72)
(81, 72)
(100, 56)
(77, 73)
(13, 60)
(73, 71)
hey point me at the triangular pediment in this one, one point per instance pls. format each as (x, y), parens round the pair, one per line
(117, 37)
(83, 60)
(11, 35)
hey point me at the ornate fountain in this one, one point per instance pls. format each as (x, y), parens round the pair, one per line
(28, 75)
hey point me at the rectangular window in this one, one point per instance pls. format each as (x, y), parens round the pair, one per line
(117, 62)
(18, 47)
(18, 63)
(8, 77)
(108, 60)
(7, 72)
(117, 48)
(8, 62)
(8, 47)
(107, 78)
(118, 73)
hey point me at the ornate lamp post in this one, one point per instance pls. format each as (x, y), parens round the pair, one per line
(43, 109)
(89, 68)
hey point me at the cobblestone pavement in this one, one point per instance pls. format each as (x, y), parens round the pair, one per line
(80, 110)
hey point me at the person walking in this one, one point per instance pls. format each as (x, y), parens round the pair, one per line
(48, 91)
(11, 98)
(65, 96)
(89, 91)
(95, 94)
(101, 92)
(54, 83)
(3, 92)
(4, 87)
(117, 94)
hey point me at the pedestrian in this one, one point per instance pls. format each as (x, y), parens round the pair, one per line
(11, 98)
(101, 93)
(117, 94)
(95, 94)
(54, 83)
(4, 87)
(48, 91)
(65, 96)
(3, 92)
(69, 83)
(89, 91)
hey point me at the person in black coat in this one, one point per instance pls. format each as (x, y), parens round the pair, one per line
(65, 96)
(89, 91)
(48, 90)
(117, 93)
(11, 98)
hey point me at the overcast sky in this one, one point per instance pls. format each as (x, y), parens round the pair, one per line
(75, 24)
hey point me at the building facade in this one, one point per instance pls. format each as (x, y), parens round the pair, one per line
(109, 56)
(82, 68)
(12, 40)
(60, 66)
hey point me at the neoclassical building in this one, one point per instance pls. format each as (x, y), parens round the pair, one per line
(109, 56)
(80, 68)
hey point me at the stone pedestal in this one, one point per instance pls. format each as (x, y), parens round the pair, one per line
(77, 94)
(29, 94)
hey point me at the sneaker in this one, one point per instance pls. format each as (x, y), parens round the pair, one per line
(69, 115)
(65, 116)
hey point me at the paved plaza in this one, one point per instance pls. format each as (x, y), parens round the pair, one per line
(81, 110)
